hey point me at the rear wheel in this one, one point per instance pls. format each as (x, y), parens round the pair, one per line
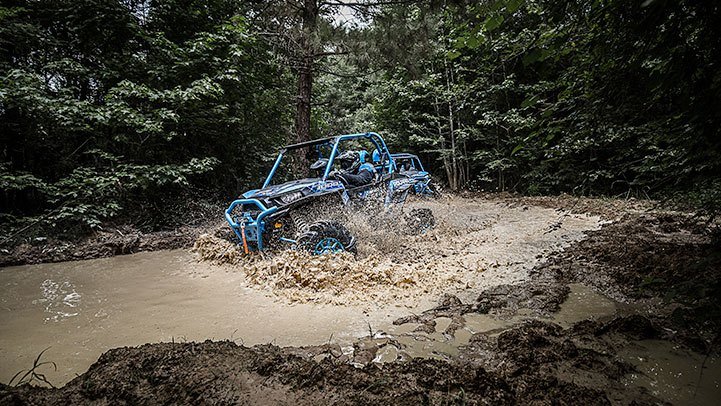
(326, 237)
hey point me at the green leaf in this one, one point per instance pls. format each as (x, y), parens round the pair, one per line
(493, 22)
(472, 42)
(516, 149)
(530, 101)
(513, 5)
(453, 55)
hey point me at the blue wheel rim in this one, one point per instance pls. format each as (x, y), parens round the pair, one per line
(328, 245)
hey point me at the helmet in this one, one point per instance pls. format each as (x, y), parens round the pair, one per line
(349, 160)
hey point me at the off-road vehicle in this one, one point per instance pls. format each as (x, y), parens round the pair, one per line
(309, 213)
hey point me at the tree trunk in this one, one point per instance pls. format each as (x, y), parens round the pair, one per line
(444, 155)
(453, 180)
(305, 70)
(305, 86)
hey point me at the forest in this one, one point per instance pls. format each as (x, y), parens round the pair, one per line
(181, 221)
(130, 110)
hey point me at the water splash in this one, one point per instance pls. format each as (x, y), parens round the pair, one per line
(60, 300)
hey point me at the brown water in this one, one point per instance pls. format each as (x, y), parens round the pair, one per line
(81, 309)
(674, 374)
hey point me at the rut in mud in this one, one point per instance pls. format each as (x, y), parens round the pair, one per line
(475, 244)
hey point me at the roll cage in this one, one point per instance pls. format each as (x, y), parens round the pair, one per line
(334, 142)
(414, 160)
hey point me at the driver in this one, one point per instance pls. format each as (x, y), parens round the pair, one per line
(356, 171)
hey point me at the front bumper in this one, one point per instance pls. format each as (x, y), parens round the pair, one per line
(245, 226)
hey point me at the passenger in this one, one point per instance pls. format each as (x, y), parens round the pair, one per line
(379, 162)
(356, 171)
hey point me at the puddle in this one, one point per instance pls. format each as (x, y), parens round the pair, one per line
(483, 323)
(442, 344)
(673, 374)
(583, 303)
(81, 309)
(388, 353)
(59, 299)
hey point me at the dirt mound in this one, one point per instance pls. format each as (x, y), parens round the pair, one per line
(537, 353)
(647, 253)
(670, 261)
(105, 243)
(533, 363)
(222, 372)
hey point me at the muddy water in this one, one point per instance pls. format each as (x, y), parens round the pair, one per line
(81, 309)
(673, 374)
(583, 303)
(475, 244)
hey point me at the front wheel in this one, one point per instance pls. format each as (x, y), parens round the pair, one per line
(326, 237)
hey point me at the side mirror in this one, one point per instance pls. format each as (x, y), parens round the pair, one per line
(319, 164)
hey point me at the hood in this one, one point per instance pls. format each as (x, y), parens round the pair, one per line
(277, 190)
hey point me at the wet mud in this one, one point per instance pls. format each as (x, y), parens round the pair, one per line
(536, 305)
(222, 372)
(535, 362)
(475, 244)
(667, 265)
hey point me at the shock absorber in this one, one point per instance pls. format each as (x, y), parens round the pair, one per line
(299, 221)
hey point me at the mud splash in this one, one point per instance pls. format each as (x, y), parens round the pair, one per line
(475, 244)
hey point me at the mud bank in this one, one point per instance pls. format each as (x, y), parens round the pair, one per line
(105, 243)
(535, 363)
(667, 265)
(222, 372)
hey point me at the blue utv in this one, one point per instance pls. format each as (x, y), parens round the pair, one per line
(305, 205)
(410, 165)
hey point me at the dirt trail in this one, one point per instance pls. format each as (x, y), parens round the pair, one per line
(476, 244)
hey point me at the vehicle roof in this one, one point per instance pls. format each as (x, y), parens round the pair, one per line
(310, 143)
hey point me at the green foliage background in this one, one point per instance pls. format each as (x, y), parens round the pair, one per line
(120, 109)
(105, 113)
(592, 97)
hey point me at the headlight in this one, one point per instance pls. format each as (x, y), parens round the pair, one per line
(290, 197)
